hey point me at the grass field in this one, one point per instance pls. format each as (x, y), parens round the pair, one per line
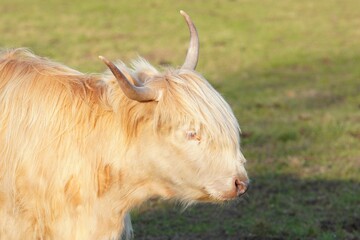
(291, 71)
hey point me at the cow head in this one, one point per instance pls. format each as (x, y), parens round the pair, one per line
(190, 146)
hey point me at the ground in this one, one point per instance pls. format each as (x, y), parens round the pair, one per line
(289, 69)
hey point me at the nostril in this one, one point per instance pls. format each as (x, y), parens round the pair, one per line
(241, 187)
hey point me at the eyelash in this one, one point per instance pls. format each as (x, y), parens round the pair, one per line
(192, 135)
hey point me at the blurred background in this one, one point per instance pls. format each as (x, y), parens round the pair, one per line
(291, 72)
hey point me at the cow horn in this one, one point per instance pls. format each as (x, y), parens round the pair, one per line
(140, 94)
(193, 50)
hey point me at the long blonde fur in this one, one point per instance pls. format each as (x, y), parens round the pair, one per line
(71, 165)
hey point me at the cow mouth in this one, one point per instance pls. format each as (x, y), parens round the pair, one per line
(223, 196)
(211, 198)
(218, 191)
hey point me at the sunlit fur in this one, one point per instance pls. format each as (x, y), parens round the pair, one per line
(76, 154)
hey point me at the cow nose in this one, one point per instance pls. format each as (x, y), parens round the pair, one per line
(241, 186)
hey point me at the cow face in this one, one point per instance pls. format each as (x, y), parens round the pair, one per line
(191, 146)
(198, 144)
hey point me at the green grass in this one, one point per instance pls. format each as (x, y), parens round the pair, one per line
(290, 70)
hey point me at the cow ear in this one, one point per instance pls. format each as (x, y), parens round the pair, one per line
(192, 135)
(145, 76)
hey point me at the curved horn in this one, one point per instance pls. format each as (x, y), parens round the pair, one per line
(193, 50)
(140, 94)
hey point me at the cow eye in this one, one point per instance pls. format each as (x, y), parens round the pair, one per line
(192, 135)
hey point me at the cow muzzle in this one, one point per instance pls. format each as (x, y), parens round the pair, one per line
(235, 187)
(241, 186)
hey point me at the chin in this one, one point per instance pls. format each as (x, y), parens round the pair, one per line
(209, 198)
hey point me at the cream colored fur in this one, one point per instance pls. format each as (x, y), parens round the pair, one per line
(76, 155)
